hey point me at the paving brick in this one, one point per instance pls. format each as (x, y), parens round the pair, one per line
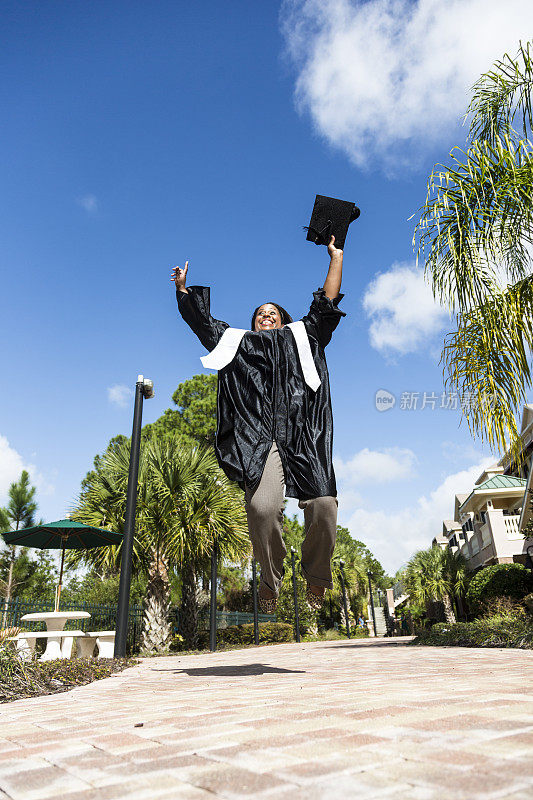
(35, 784)
(473, 783)
(230, 781)
(118, 742)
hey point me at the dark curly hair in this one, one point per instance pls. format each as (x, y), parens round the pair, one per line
(285, 316)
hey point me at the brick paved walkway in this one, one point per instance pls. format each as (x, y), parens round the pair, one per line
(361, 720)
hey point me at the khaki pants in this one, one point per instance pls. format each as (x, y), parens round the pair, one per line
(264, 508)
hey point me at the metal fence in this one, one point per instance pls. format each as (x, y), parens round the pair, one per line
(103, 617)
(398, 590)
(227, 618)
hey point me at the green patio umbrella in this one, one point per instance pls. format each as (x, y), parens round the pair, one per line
(65, 534)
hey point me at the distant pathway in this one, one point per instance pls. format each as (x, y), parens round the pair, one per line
(316, 721)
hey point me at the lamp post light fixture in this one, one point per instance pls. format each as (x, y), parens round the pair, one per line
(529, 557)
(344, 601)
(295, 593)
(372, 602)
(144, 389)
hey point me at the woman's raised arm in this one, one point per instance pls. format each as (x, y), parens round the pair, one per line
(332, 284)
(179, 277)
(194, 307)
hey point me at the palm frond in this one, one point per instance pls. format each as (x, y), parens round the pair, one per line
(501, 95)
(184, 503)
(487, 361)
(476, 226)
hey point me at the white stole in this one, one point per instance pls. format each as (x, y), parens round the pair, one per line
(230, 340)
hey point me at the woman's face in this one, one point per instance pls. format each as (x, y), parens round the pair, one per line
(267, 318)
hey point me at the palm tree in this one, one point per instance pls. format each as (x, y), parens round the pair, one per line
(197, 505)
(436, 576)
(355, 581)
(184, 503)
(475, 235)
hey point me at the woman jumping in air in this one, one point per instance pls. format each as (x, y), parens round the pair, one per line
(274, 422)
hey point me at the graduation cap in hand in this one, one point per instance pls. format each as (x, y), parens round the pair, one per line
(331, 217)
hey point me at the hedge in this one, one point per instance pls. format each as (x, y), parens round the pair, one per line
(489, 632)
(498, 580)
(269, 632)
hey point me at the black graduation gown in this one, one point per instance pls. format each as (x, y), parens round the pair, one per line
(262, 397)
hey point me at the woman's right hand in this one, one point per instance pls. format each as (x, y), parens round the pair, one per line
(179, 276)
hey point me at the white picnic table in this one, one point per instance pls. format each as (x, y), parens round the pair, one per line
(59, 642)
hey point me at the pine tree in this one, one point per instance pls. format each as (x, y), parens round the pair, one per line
(19, 514)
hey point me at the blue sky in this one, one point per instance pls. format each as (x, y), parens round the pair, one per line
(136, 136)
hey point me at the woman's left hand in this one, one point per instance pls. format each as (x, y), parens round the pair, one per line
(332, 250)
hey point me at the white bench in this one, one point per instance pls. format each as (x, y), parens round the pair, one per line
(59, 643)
(105, 640)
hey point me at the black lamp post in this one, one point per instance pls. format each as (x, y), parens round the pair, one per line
(295, 592)
(254, 592)
(372, 602)
(144, 388)
(213, 608)
(529, 557)
(344, 601)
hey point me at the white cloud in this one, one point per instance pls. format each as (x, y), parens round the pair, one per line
(457, 453)
(393, 536)
(402, 310)
(119, 394)
(89, 202)
(389, 78)
(377, 466)
(11, 465)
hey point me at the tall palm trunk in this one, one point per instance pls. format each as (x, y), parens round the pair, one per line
(157, 629)
(189, 606)
(449, 614)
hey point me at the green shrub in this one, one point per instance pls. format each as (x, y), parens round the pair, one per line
(528, 603)
(269, 633)
(177, 642)
(329, 635)
(335, 634)
(499, 580)
(499, 630)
